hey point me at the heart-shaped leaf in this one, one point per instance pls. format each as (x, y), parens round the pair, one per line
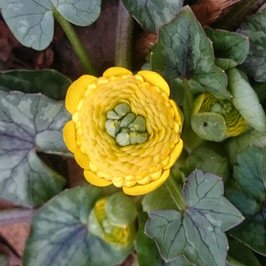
(32, 23)
(198, 234)
(183, 51)
(230, 48)
(29, 123)
(60, 233)
(48, 82)
(152, 14)
(255, 29)
(250, 197)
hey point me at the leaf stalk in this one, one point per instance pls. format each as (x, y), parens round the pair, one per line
(76, 43)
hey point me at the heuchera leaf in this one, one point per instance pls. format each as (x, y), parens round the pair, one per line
(246, 100)
(47, 81)
(183, 51)
(60, 234)
(152, 14)
(32, 23)
(29, 123)
(198, 234)
(250, 197)
(230, 48)
(255, 29)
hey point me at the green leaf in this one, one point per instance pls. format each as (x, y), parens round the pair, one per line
(3, 259)
(29, 123)
(198, 234)
(260, 88)
(32, 22)
(184, 51)
(152, 14)
(60, 233)
(255, 29)
(230, 48)
(246, 100)
(48, 82)
(209, 161)
(158, 200)
(121, 209)
(251, 180)
(242, 254)
(252, 138)
(147, 252)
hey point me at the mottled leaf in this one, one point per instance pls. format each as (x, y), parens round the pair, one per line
(32, 23)
(183, 51)
(29, 123)
(255, 29)
(60, 233)
(250, 197)
(209, 161)
(152, 14)
(48, 82)
(230, 48)
(246, 100)
(198, 234)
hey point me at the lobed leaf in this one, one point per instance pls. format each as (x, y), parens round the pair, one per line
(183, 51)
(152, 14)
(255, 29)
(32, 23)
(29, 123)
(198, 234)
(60, 234)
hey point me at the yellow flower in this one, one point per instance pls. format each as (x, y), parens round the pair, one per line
(124, 129)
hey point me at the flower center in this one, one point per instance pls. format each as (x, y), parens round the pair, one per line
(126, 127)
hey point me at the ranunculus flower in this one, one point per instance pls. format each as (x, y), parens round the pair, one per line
(124, 129)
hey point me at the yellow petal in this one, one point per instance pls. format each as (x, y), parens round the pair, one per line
(116, 71)
(175, 154)
(76, 91)
(177, 112)
(155, 79)
(69, 135)
(140, 190)
(95, 180)
(82, 159)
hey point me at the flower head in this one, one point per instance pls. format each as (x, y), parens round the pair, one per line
(124, 129)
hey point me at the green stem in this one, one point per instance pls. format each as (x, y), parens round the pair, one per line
(123, 38)
(176, 194)
(76, 43)
(187, 106)
(191, 140)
